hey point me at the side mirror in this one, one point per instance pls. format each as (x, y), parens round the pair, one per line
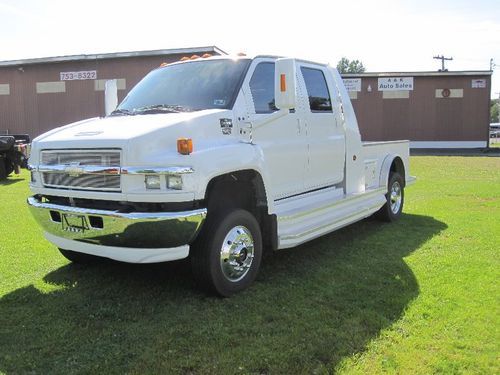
(285, 83)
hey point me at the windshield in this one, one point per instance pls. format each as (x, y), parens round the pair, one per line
(191, 86)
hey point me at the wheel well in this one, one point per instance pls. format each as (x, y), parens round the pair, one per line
(243, 189)
(398, 167)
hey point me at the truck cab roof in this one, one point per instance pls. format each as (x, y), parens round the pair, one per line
(238, 57)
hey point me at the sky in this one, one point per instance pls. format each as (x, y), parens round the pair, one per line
(385, 35)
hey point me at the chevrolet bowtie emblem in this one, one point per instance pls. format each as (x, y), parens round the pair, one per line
(74, 170)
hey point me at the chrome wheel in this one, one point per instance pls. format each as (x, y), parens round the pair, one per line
(237, 253)
(396, 197)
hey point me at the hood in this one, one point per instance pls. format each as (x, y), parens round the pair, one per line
(116, 129)
(145, 139)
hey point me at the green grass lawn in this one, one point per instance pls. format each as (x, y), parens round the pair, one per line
(418, 296)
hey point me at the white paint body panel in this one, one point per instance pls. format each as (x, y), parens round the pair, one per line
(323, 213)
(325, 138)
(382, 154)
(318, 176)
(122, 254)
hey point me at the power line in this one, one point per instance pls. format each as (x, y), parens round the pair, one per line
(442, 58)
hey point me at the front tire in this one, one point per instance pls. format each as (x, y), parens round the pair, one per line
(395, 197)
(78, 258)
(226, 256)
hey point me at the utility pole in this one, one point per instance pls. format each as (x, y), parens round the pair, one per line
(442, 58)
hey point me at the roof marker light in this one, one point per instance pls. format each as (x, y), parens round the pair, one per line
(206, 55)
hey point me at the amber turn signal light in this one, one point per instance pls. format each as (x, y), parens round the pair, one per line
(184, 146)
(283, 83)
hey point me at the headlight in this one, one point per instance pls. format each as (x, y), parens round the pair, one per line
(152, 181)
(174, 182)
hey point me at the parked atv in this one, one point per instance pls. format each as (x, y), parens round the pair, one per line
(14, 151)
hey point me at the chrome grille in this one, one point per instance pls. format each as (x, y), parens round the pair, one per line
(101, 158)
(84, 182)
(97, 170)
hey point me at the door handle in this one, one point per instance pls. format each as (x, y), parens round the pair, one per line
(246, 130)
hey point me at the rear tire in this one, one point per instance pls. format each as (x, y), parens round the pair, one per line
(395, 197)
(226, 256)
(79, 258)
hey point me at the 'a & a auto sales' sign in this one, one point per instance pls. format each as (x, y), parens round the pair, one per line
(395, 83)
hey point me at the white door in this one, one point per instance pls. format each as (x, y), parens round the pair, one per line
(325, 132)
(283, 141)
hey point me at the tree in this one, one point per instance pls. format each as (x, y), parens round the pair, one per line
(347, 66)
(494, 111)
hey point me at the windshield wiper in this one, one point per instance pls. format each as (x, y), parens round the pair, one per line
(121, 112)
(162, 108)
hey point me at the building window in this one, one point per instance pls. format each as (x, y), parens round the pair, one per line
(262, 88)
(317, 90)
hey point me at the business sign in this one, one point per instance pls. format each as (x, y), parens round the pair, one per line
(395, 83)
(352, 84)
(478, 83)
(82, 75)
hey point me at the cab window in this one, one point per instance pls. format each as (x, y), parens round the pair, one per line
(262, 88)
(317, 90)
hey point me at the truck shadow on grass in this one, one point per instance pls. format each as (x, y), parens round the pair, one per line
(309, 308)
(11, 180)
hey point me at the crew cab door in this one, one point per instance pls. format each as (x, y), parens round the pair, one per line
(283, 141)
(324, 127)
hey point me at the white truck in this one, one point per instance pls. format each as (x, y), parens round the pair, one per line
(215, 158)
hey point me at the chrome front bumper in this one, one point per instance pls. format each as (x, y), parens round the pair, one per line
(113, 228)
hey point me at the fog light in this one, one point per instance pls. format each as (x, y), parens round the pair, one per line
(174, 182)
(152, 182)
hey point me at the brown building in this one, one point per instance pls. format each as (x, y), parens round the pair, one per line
(37, 95)
(431, 109)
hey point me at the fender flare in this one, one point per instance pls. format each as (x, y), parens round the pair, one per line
(239, 160)
(252, 168)
(385, 170)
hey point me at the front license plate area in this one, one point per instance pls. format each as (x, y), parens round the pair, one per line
(74, 223)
